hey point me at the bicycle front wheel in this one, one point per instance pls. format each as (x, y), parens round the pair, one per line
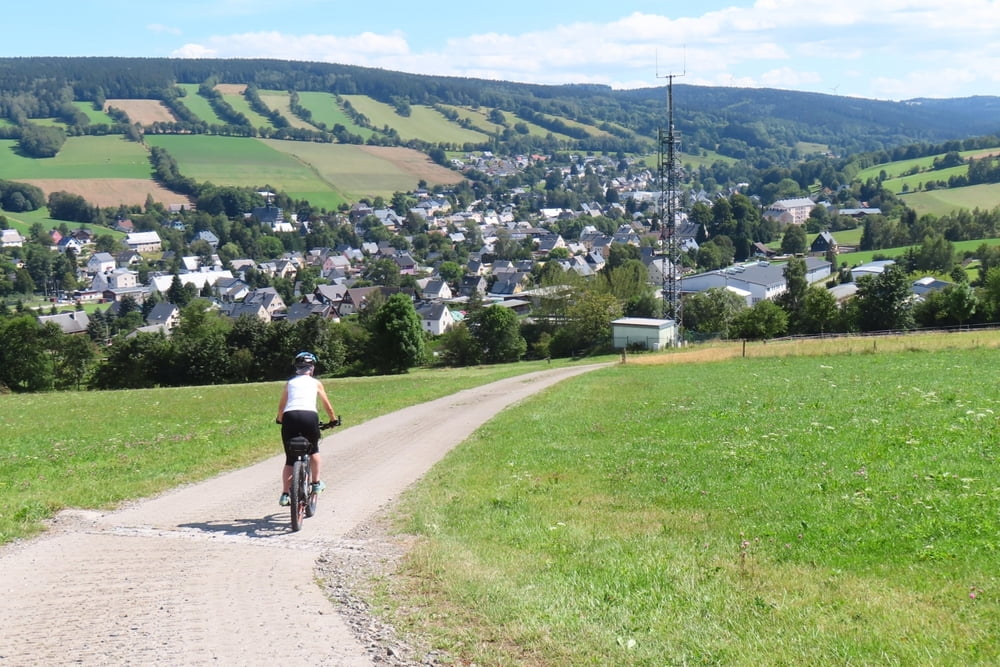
(299, 494)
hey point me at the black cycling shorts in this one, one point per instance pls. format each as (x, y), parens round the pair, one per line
(300, 422)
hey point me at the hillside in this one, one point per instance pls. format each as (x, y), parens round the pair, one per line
(323, 109)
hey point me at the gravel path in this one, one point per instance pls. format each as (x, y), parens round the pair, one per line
(210, 573)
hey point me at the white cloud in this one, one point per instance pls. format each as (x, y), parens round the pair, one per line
(801, 44)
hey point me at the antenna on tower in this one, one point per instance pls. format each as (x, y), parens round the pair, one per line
(668, 175)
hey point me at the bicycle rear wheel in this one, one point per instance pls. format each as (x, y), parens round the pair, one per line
(299, 494)
(310, 496)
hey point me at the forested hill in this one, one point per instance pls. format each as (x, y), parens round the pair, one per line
(762, 125)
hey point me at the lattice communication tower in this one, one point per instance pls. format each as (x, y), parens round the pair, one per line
(668, 174)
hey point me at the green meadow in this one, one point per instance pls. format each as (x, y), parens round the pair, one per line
(865, 256)
(95, 116)
(947, 201)
(80, 157)
(281, 101)
(479, 118)
(925, 164)
(828, 507)
(104, 449)
(198, 105)
(326, 110)
(239, 103)
(355, 171)
(238, 161)
(834, 509)
(423, 123)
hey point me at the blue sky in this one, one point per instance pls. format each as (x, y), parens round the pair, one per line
(889, 49)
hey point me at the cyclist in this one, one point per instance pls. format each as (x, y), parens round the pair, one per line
(298, 415)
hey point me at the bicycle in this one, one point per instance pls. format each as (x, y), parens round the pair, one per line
(303, 500)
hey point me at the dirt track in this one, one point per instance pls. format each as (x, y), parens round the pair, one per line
(210, 573)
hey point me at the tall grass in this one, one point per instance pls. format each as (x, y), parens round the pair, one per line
(833, 509)
(96, 449)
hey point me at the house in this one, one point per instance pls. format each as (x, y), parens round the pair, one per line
(128, 258)
(857, 213)
(11, 238)
(144, 242)
(238, 310)
(435, 289)
(161, 283)
(874, 268)
(928, 284)
(116, 279)
(70, 243)
(355, 299)
(643, 332)
(271, 216)
(302, 310)
(331, 294)
(763, 250)
(208, 237)
(407, 265)
(435, 318)
(508, 284)
(471, 285)
(75, 322)
(164, 314)
(550, 242)
(124, 225)
(267, 297)
(231, 289)
(823, 243)
(790, 211)
(101, 263)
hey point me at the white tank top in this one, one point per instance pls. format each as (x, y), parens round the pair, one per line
(302, 390)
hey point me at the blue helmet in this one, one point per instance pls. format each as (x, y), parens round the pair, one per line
(305, 360)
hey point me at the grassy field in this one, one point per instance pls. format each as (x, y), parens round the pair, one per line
(198, 105)
(80, 157)
(281, 101)
(947, 201)
(326, 110)
(106, 447)
(239, 103)
(900, 167)
(423, 122)
(479, 118)
(827, 502)
(831, 509)
(96, 117)
(865, 256)
(238, 161)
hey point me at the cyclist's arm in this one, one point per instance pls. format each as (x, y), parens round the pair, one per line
(321, 392)
(281, 403)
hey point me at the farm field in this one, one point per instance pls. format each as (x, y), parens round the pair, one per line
(945, 201)
(81, 157)
(281, 102)
(479, 118)
(900, 167)
(238, 161)
(146, 112)
(198, 105)
(326, 110)
(423, 123)
(96, 117)
(864, 256)
(233, 95)
(365, 171)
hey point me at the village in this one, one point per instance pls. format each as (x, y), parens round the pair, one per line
(109, 278)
